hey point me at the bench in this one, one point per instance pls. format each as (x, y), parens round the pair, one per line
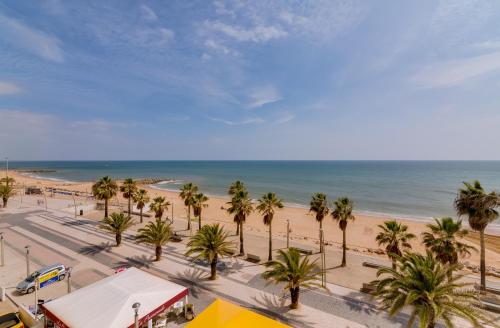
(368, 288)
(303, 250)
(491, 290)
(490, 306)
(253, 258)
(176, 238)
(374, 265)
(231, 251)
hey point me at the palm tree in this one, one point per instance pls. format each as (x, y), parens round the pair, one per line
(420, 283)
(188, 191)
(128, 189)
(241, 207)
(442, 240)
(319, 205)
(294, 272)
(117, 223)
(479, 206)
(156, 233)
(105, 189)
(199, 203)
(7, 181)
(141, 197)
(395, 236)
(158, 206)
(343, 213)
(6, 192)
(235, 187)
(267, 206)
(209, 243)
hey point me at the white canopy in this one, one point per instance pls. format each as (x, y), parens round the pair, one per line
(108, 302)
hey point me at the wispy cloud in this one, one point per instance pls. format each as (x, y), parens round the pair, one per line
(148, 14)
(31, 40)
(8, 88)
(263, 95)
(285, 118)
(246, 121)
(99, 125)
(458, 71)
(218, 47)
(259, 33)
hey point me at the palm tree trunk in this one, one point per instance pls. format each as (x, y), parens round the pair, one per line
(213, 268)
(343, 248)
(140, 213)
(199, 221)
(189, 218)
(270, 257)
(158, 253)
(483, 261)
(5, 199)
(320, 237)
(394, 264)
(118, 238)
(294, 293)
(237, 228)
(242, 250)
(432, 319)
(129, 207)
(105, 207)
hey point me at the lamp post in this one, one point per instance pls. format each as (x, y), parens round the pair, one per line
(36, 295)
(27, 260)
(7, 170)
(136, 307)
(2, 249)
(68, 270)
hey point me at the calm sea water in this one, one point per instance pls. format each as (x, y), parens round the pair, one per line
(419, 189)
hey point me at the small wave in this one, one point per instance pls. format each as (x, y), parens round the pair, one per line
(171, 181)
(39, 177)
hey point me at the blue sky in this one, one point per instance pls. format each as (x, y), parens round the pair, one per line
(250, 79)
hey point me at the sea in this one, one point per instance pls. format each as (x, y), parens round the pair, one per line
(409, 189)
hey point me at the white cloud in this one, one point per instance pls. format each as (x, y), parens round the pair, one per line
(259, 33)
(31, 40)
(246, 121)
(263, 95)
(148, 14)
(7, 88)
(285, 118)
(458, 71)
(216, 46)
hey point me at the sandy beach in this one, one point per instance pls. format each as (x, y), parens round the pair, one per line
(304, 228)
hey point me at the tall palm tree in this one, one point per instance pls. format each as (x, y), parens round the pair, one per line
(294, 272)
(117, 223)
(158, 206)
(240, 206)
(394, 236)
(188, 190)
(6, 191)
(156, 233)
(235, 187)
(479, 206)
(141, 197)
(421, 283)
(267, 206)
(319, 205)
(442, 240)
(128, 188)
(105, 189)
(209, 243)
(343, 213)
(199, 203)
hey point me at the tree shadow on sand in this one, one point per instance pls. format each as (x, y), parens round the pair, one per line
(276, 306)
(194, 278)
(143, 261)
(96, 249)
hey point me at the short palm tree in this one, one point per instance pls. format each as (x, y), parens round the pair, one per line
(8, 181)
(105, 189)
(117, 223)
(156, 233)
(479, 206)
(235, 187)
(158, 206)
(128, 188)
(294, 272)
(141, 197)
(210, 242)
(6, 191)
(199, 203)
(188, 190)
(421, 283)
(240, 206)
(394, 236)
(443, 240)
(267, 206)
(319, 205)
(343, 213)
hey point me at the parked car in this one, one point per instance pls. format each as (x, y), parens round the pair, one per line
(46, 276)
(11, 320)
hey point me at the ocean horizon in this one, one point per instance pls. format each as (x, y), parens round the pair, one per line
(395, 188)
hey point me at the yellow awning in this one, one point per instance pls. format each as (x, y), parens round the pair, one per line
(221, 314)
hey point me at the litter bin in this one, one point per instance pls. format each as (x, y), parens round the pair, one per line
(81, 212)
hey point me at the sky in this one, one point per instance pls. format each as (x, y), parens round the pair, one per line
(308, 79)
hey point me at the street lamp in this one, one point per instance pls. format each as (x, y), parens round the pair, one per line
(68, 270)
(27, 247)
(2, 249)
(136, 307)
(7, 170)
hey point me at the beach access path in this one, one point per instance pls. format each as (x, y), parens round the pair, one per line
(56, 236)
